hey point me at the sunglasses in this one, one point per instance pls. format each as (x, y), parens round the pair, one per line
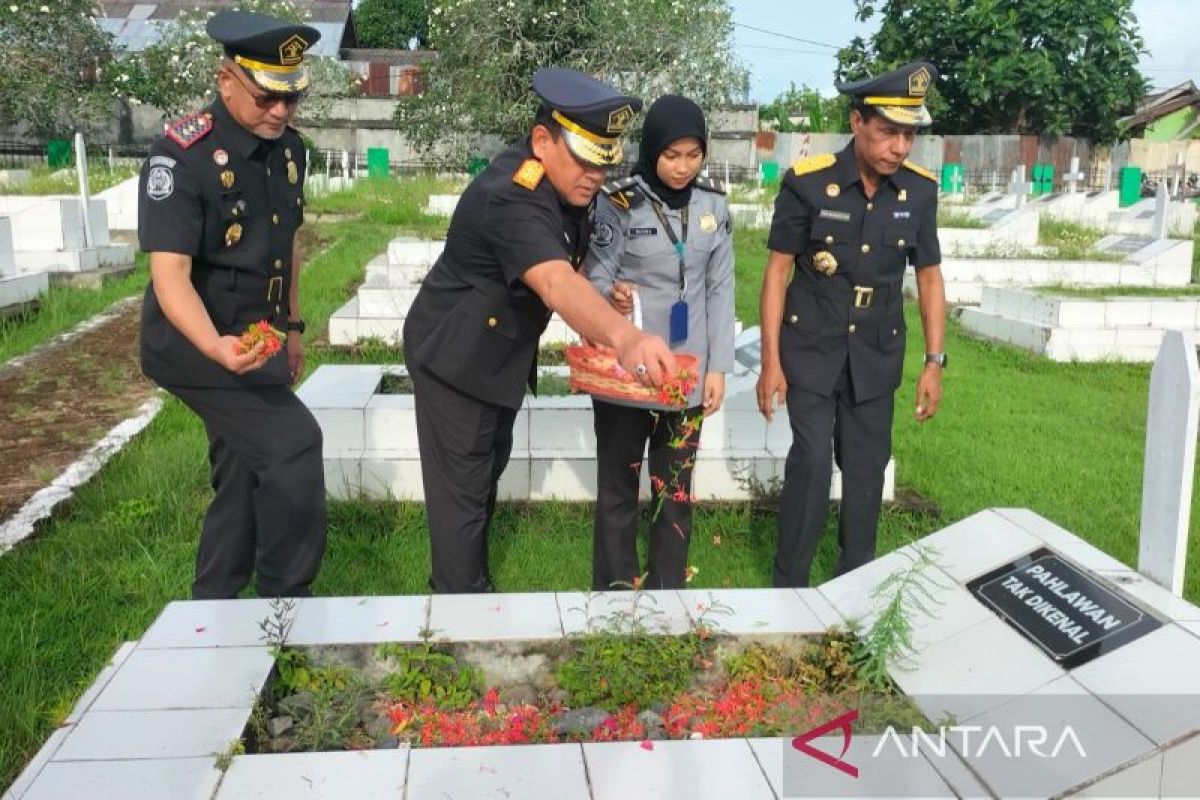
(269, 99)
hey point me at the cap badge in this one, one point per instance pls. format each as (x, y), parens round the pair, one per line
(824, 262)
(918, 82)
(618, 119)
(291, 52)
(833, 190)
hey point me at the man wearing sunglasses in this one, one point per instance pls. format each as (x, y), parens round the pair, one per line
(221, 199)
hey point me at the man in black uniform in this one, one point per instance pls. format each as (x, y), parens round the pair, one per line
(221, 199)
(833, 340)
(516, 240)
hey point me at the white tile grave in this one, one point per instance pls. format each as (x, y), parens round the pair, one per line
(371, 447)
(391, 284)
(152, 723)
(1067, 328)
(48, 235)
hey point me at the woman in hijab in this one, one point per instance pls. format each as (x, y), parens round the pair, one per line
(661, 240)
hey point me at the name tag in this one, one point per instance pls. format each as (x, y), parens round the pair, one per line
(635, 232)
(840, 216)
(901, 215)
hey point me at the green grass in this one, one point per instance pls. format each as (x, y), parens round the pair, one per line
(43, 181)
(1196, 253)
(1014, 430)
(64, 307)
(1073, 242)
(950, 218)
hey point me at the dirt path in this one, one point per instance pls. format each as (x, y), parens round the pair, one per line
(60, 399)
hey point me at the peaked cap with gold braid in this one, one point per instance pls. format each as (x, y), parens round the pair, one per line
(270, 50)
(899, 95)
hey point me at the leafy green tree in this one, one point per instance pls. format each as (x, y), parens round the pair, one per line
(479, 84)
(178, 73)
(52, 59)
(1010, 66)
(822, 114)
(392, 23)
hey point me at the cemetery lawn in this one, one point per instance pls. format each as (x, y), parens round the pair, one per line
(1101, 292)
(64, 181)
(1015, 430)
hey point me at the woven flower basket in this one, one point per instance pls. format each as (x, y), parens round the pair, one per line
(597, 372)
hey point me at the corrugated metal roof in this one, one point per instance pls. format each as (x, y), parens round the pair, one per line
(136, 26)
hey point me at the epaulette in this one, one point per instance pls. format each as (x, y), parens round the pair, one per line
(803, 166)
(191, 129)
(623, 192)
(529, 174)
(924, 173)
(710, 185)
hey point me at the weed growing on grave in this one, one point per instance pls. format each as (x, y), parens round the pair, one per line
(225, 758)
(424, 674)
(902, 596)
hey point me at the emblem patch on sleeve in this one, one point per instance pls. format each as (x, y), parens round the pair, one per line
(160, 183)
(602, 234)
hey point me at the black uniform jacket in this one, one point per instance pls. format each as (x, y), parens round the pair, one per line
(474, 324)
(845, 300)
(214, 191)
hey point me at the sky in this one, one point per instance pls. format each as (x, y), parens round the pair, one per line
(774, 61)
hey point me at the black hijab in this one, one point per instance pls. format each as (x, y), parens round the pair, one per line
(670, 118)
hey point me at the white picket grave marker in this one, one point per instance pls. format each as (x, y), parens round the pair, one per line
(1170, 458)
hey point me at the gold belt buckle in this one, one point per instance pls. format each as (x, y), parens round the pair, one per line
(271, 284)
(863, 296)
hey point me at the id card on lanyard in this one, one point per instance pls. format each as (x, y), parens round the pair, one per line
(679, 311)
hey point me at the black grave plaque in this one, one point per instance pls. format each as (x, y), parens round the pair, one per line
(1070, 615)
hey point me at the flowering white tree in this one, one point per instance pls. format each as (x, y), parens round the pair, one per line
(53, 78)
(488, 51)
(177, 73)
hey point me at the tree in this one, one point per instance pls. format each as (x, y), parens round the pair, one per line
(53, 57)
(479, 83)
(820, 114)
(392, 23)
(177, 73)
(1009, 66)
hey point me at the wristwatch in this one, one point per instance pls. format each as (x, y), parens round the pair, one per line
(941, 359)
(296, 325)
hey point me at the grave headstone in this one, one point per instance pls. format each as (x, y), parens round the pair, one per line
(1073, 177)
(81, 167)
(1018, 187)
(1158, 228)
(1171, 428)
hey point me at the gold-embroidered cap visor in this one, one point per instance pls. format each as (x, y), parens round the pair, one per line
(276, 78)
(902, 110)
(591, 148)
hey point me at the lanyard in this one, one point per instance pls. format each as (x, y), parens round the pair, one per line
(680, 244)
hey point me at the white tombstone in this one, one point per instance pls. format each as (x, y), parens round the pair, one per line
(1018, 187)
(81, 167)
(1074, 176)
(345, 164)
(1158, 228)
(1169, 461)
(1178, 174)
(7, 264)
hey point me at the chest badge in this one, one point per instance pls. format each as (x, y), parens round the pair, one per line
(708, 223)
(233, 234)
(902, 195)
(227, 178)
(220, 157)
(293, 173)
(833, 190)
(824, 262)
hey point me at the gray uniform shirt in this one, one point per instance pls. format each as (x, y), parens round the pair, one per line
(629, 244)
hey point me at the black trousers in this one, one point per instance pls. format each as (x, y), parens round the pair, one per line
(860, 437)
(621, 436)
(267, 515)
(465, 444)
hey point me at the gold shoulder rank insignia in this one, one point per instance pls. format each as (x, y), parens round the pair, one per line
(529, 174)
(191, 129)
(620, 200)
(815, 163)
(924, 173)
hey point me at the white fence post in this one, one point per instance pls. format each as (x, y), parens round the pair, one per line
(1170, 460)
